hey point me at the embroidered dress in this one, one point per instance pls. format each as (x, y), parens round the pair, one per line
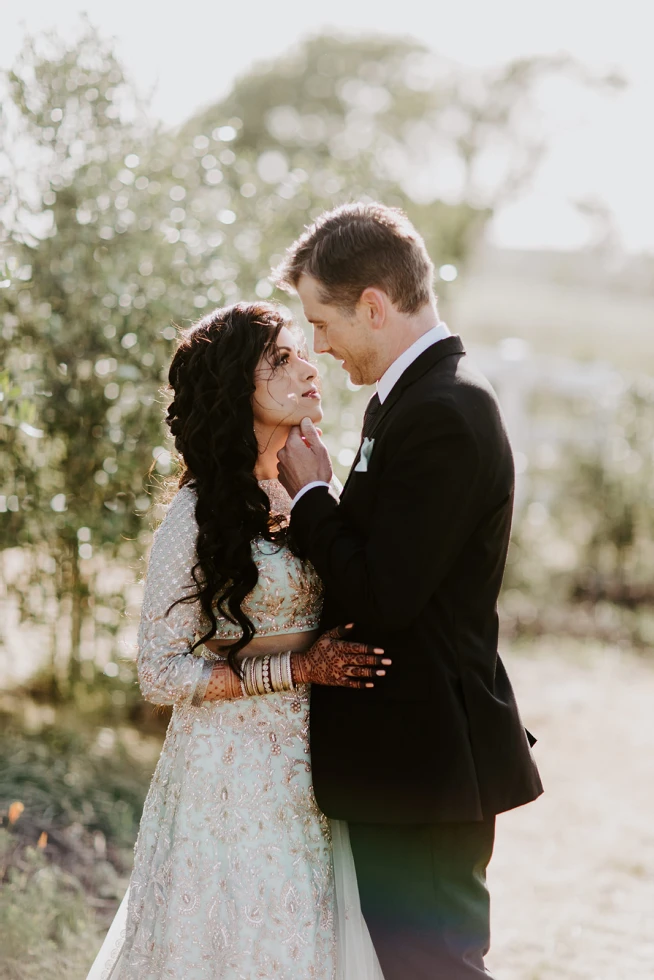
(235, 877)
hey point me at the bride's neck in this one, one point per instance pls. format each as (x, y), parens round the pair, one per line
(270, 441)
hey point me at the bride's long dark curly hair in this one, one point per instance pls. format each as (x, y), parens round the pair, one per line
(212, 422)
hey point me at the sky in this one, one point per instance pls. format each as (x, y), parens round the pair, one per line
(601, 148)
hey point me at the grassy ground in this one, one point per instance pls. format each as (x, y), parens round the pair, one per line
(572, 879)
(70, 802)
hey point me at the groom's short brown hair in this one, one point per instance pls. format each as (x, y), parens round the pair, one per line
(356, 246)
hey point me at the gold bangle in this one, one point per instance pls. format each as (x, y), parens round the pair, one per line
(248, 676)
(275, 673)
(287, 672)
(281, 678)
(251, 688)
(256, 689)
(261, 687)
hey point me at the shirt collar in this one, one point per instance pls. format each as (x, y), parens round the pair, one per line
(393, 374)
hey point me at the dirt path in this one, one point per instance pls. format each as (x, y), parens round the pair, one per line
(572, 879)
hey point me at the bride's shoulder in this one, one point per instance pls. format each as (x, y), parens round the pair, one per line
(180, 508)
(182, 499)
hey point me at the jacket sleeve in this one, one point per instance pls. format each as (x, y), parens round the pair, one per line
(167, 673)
(424, 506)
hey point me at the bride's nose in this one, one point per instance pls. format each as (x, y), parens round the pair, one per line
(310, 371)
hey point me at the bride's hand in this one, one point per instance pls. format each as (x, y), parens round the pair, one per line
(338, 662)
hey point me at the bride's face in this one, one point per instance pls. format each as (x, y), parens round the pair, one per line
(286, 386)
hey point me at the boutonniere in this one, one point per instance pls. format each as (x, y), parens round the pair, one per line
(364, 457)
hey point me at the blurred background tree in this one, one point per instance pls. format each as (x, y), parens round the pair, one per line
(86, 335)
(117, 229)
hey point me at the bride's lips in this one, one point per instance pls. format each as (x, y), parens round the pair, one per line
(311, 393)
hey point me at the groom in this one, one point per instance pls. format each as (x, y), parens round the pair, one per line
(413, 555)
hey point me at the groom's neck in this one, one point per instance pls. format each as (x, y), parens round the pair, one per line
(405, 329)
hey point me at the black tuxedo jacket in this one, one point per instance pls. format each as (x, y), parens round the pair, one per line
(414, 555)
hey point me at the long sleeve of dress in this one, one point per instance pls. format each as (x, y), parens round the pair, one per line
(167, 673)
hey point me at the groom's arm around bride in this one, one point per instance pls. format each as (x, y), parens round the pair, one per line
(414, 555)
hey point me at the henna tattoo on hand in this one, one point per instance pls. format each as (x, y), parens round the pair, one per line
(223, 684)
(336, 662)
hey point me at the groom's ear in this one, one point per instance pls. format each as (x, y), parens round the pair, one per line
(373, 304)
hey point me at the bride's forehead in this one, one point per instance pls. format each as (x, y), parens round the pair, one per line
(287, 338)
(293, 339)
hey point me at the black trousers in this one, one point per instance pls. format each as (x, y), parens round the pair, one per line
(424, 897)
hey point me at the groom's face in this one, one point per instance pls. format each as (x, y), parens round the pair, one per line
(347, 337)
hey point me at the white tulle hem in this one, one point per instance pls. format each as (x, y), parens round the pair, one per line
(357, 959)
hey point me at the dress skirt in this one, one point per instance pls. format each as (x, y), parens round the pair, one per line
(237, 873)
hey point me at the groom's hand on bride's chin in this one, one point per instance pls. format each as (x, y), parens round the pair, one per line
(304, 459)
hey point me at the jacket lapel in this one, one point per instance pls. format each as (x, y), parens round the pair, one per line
(376, 412)
(427, 360)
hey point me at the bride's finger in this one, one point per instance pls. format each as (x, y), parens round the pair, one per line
(356, 670)
(368, 660)
(348, 646)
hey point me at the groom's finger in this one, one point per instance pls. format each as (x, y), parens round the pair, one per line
(310, 434)
(294, 440)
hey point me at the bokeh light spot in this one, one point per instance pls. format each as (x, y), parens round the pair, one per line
(58, 503)
(448, 273)
(272, 166)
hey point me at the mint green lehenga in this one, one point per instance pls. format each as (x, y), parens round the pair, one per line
(237, 873)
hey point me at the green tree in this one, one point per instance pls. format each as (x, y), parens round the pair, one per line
(342, 118)
(608, 500)
(116, 228)
(85, 332)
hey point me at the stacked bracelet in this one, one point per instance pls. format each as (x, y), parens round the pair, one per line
(270, 674)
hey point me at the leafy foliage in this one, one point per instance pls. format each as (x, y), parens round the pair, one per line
(65, 777)
(47, 927)
(66, 848)
(117, 229)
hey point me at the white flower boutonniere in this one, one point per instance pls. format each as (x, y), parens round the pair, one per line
(364, 458)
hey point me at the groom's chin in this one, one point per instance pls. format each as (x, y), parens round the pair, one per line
(354, 375)
(357, 378)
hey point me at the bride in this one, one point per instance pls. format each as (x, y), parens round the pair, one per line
(237, 873)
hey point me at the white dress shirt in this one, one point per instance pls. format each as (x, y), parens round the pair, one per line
(390, 377)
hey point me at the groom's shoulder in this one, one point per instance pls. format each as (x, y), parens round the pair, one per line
(455, 385)
(469, 382)
(461, 398)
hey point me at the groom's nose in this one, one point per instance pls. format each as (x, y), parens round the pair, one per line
(320, 345)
